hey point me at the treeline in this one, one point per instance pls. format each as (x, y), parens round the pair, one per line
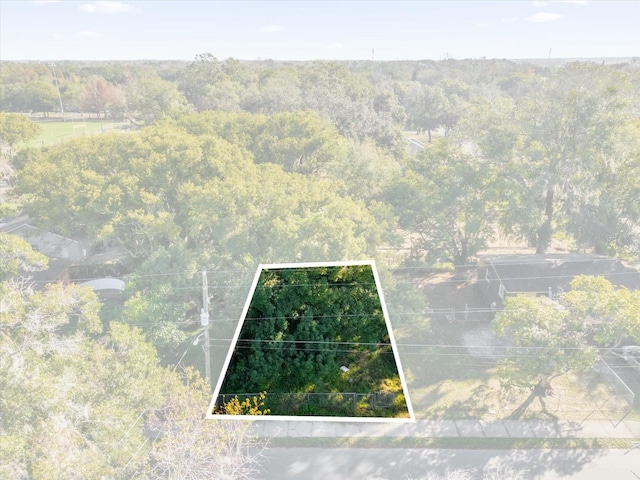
(559, 159)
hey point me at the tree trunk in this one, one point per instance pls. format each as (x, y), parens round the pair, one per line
(546, 230)
(429, 132)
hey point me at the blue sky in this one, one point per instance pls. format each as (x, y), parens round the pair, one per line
(306, 29)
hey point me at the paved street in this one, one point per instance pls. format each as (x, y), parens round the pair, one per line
(381, 463)
(453, 429)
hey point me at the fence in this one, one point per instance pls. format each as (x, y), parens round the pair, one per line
(326, 404)
(621, 387)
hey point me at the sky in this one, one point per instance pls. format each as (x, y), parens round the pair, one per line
(308, 30)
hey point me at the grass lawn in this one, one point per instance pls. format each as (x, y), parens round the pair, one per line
(446, 381)
(57, 131)
(450, 383)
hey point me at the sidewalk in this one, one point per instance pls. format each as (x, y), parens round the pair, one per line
(467, 428)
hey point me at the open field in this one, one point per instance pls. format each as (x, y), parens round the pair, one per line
(57, 131)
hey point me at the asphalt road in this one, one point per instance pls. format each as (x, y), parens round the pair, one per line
(377, 463)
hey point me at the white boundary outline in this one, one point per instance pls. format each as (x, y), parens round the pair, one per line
(245, 310)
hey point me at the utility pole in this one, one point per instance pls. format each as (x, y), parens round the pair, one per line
(204, 321)
(55, 77)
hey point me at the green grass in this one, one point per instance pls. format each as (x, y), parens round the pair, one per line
(56, 131)
(456, 443)
(457, 388)
(449, 383)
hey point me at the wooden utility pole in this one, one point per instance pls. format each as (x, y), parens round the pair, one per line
(204, 321)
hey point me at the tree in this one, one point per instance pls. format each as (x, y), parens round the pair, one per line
(447, 197)
(98, 404)
(16, 128)
(364, 171)
(278, 90)
(159, 298)
(298, 141)
(102, 97)
(553, 337)
(605, 213)
(122, 187)
(264, 213)
(560, 133)
(189, 446)
(196, 79)
(38, 95)
(17, 257)
(611, 314)
(430, 107)
(150, 99)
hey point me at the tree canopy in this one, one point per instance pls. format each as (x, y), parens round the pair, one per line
(302, 325)
(553, 337)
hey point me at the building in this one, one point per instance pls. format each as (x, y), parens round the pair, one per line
(48, 243)
(547, 274)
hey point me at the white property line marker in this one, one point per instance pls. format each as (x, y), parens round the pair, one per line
(245, 310)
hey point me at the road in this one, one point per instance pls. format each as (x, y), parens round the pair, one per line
(389, 463)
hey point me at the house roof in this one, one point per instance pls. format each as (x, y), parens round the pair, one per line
(48, 243)
(539, 273)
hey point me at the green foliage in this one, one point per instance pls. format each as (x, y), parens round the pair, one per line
(162, 297)
(611, 314)
(302, 325)
(99, 404)
(17, 256)
(15, 128)
(547, 340)
(298, 141)
(553, 337)
(447, 198)
(265, 214)
(555, 149)
(150, 99)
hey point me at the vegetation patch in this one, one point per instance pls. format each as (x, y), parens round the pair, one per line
(315, 340)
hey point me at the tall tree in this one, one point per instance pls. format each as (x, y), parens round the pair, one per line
(151, 98)
(553, 337)
(102, 97)
(447, 198)
(563, 130)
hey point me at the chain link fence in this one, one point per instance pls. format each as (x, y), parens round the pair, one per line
(325, 404)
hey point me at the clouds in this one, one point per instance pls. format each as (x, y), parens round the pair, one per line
(542, 17)
(88, 34)
(108, 7)
(270, 29)
(334, 46)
